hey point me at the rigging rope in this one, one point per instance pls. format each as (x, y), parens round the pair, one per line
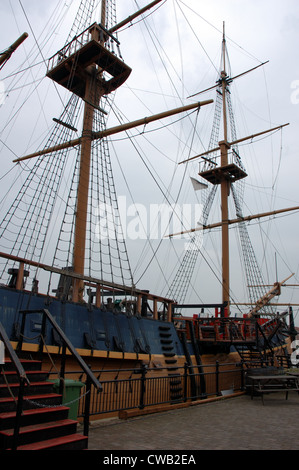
(35, 201)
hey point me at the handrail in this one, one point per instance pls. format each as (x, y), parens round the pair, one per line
(11, 352)
(68, 344)
(23, 381)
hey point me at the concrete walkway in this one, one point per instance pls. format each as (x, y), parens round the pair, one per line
(229, 424)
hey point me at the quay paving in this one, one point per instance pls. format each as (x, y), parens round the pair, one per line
(237, 423)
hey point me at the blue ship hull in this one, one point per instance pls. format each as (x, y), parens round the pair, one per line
(87, 327)
(94, 329)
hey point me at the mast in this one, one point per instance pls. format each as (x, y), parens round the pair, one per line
(225, 186)
(228, 171)
(89, 68)
(93, 93)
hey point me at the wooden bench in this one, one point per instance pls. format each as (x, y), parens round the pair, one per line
(261, 384)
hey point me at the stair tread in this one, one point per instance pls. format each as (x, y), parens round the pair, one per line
(28, 372)
(16, 385)
(40, 423)
(37, 427)
(31, 397)
(25, 361)
(34, 411)
(53, 442)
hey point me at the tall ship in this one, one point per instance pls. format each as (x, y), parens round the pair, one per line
(74, 245)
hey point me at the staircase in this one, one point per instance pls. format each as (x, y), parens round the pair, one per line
(44, 421)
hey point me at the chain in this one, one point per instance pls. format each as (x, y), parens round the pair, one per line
(41, 405)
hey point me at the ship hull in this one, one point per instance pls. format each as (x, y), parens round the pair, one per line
(116, 345)
(87, 327)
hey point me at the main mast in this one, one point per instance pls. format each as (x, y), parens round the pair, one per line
(93, 93)
(88, 68)
(225, 186)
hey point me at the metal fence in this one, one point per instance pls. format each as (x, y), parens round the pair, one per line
(142, 388)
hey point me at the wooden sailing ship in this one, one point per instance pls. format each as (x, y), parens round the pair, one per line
(142, 326)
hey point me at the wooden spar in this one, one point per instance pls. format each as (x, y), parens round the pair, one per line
(269, 285)
(7, 54)
(230, 79)
(235, 221)
(135, 15)
(235, 142)
(116, 130)
(147, 120)
(263, 301)
(65, 124)
(56, 148)
(127, 289)
(277, 304)
(258, 134)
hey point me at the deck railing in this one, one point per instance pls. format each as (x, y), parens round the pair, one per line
(140, 388)
(78, 42)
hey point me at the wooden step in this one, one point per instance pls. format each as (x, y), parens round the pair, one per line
(28, 364)
(71, 442)
(33, 376)
(44, 423)
(49, 399)
(34, 416)
(38, 432)
(34, 388)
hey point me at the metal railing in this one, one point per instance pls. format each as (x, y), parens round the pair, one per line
(139, 388)
(91, 383)
(23, 382)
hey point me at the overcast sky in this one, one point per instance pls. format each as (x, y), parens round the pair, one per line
(256, 31)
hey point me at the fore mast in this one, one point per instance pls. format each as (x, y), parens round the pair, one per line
(224, 170)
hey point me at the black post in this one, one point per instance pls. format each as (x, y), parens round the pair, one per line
(62, 369)
(87, 406)
(142, 386)
(42, 336)
(185, 380)
(217, 379)
(21, 337)
(242, 374)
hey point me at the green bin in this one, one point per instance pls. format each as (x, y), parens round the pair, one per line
(70, 395)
